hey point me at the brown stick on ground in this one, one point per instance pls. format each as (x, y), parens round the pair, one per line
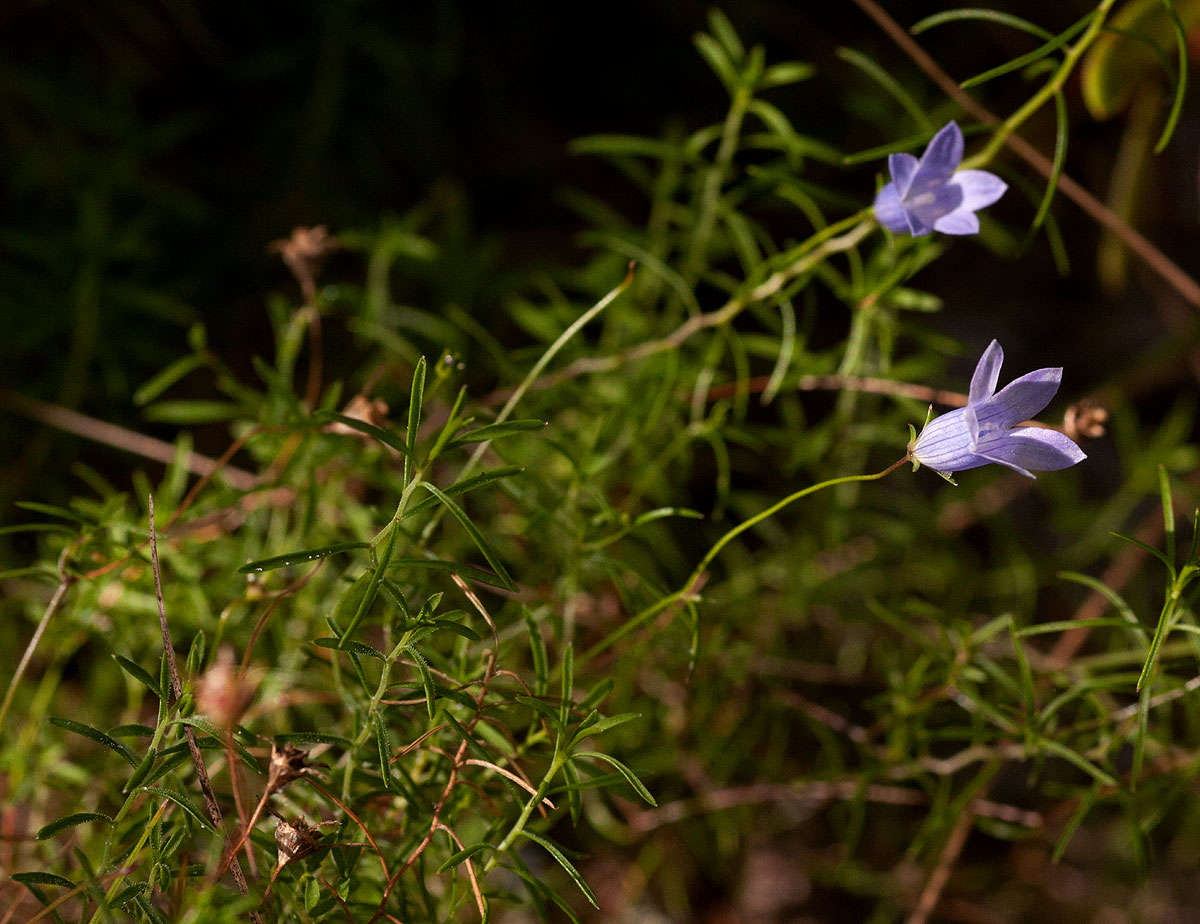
(210, 798)
(1158, 261)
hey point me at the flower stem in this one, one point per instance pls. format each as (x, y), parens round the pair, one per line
(686, 592)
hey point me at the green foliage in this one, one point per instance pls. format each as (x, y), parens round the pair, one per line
(595, 463)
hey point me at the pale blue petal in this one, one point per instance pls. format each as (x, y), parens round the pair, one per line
(987, 373)
(915, 226)
(1020, 399)
(945, 444)
(931, 203)
(1030, 449)
(961, 221)
(941, 158)
(888, 210)
(980, 188)
(902, 167)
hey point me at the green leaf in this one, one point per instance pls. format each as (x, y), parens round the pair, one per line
(630, 777)
(1168, 510)
(378, 433)
(193, 412)
(965, 13)
(95, 735)
(778, 75)
(415, 398)
(384, 741)
(165, 379)
(426, 677)
(464, 486)
(69, 821)
(139, 673)
(303, 555)
(310, 737)
(43, 879)
(1146, 548)
(497, 431)
(357, 647)
(558, 855)
(888, 84)
(52, 510)
(537, 647)
(1032, 57)
(465, 854)
(477, 537)
(1060, 155)
(193, 812)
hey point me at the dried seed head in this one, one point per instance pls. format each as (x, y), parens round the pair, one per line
(303, 252)
(222, 695)
(295, 840)
(1085, 419)
(288, 764)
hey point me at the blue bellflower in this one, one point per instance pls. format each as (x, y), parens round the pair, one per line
(932, 194)
(986, 429)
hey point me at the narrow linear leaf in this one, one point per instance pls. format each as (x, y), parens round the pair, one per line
(377, 433)
(465, 854)
(191, 810)
(1181, 77)
(426, 677)
(298, 557)
(465, 486)
(139, 673)
(558, 855)
(476, 536)
(70, 821)
(43, 879)
(630, 777)
(95, 735)
(976, 13)
(497, 431)
(416, 397)
(357, 647)
(1060, 155)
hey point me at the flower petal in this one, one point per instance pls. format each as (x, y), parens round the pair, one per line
(930, 203)
(980, 188)
(902, 167)
(888, 210)
(960, 221)
(1031, 449)
(987, 373)
(1020, 399)
(941, 158)
(945, 443)
(915, 225)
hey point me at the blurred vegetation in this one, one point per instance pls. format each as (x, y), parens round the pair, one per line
(467, 459)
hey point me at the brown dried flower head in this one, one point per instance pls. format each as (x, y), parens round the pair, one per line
(303, 252)
(1085, 419)
(295, 840)
(287, 765)
(222, 695)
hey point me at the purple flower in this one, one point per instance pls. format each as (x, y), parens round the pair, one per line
(986, 429)
(928, 195)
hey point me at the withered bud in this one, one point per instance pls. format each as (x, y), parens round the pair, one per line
(303, 252)
(1085, 419)
(295, 840)
(222, 695)
(360, 407)
(287, 765)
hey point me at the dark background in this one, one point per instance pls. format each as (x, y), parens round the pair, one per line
(154, 148)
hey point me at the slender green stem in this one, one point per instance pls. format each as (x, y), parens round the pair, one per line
(1052, 86)
(527, 810)
(711, 194)
(685, 593)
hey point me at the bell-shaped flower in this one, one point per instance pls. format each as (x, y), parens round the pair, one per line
(932, 194)
(987, 430)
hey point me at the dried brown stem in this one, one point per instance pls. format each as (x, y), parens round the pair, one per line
(100, 431)
(932, 893)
